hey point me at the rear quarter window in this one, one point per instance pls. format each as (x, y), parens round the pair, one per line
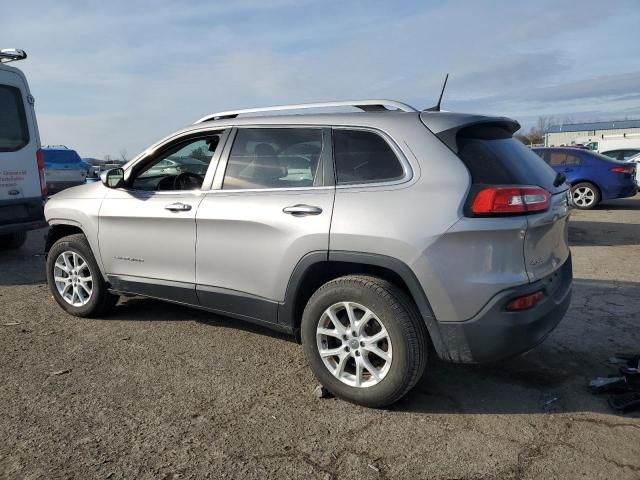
(364, 157)
(14, 132)
(494, 157)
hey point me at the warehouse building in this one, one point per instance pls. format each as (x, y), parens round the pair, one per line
(583, 133)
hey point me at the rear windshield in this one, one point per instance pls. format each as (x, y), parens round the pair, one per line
(494, 157)
(60, 157)
(14, 133)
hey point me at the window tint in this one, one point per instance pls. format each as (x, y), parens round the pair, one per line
(273, 158)
(562, 159)
(189, 160)
(364, 157)
(493, 157)
(14, 133)
(627, 154)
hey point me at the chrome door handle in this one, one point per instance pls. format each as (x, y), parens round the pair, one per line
(178, 207)
(302, 210)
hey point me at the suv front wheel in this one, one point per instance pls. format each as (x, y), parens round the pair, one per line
(364, 340)
(75, 279)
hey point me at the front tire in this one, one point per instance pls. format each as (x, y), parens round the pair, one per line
(364, 340)
(13, 241)
(585, 195)
(75, 280)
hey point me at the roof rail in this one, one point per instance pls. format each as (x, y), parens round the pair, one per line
(11, 55)
(365, 105)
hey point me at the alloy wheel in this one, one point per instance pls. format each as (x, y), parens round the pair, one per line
(584, 196)
(73, 278)
(354, 344)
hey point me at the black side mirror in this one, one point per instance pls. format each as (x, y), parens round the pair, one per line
(113, 178)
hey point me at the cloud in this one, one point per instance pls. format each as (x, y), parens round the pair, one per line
(120, 75)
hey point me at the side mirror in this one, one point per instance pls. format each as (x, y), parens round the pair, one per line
(113, 178)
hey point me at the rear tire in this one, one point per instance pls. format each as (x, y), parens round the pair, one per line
(358, 372)
(13, 241)
(75, 280)
(585, 195)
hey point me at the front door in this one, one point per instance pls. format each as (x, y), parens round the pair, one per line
(270, 206)
(147, 228)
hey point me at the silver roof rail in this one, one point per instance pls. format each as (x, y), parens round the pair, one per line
(11, 55)
(365, 105)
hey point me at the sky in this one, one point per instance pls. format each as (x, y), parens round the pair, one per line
(116, 76)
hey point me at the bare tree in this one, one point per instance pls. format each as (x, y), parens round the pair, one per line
(123, 155)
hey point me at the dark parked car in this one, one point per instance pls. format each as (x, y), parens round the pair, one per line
(593, 177)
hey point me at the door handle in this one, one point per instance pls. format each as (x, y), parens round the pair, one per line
(302, 210)
(178, 207)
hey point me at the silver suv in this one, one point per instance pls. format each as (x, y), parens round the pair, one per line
(374, 237)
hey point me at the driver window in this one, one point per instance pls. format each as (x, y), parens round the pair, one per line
(182, 167)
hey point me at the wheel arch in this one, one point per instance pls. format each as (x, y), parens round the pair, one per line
(317, 268)
(61, 228)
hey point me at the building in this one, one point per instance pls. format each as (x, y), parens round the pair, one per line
(583, 133)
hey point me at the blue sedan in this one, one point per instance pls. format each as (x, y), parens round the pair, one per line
(593, 177)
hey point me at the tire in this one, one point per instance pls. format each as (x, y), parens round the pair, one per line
(13, 241)
(406, 343)
(86, 304)
(585, 195)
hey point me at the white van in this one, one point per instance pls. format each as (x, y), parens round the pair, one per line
(23, 187)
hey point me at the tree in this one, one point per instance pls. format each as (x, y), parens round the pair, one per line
(123, 155)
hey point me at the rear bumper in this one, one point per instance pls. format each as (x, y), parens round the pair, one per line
(495, 333)
(628, 190)
(21, 215)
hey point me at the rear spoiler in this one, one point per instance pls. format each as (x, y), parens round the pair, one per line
(446, 125)
(11, 55)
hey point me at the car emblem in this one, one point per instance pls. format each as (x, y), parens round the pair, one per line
(14, 192)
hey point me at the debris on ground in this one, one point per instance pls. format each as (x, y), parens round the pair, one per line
(321, 392)
(373, 467)
(10, 324)
(624, 386)
(60, 372)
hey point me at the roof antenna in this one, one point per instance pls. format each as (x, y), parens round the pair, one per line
(436, 108)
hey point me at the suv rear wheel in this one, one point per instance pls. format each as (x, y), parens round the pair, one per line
(364, 340)
(75, 279)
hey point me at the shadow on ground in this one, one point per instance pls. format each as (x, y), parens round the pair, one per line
(603, 234)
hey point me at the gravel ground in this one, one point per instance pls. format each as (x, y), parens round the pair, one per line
(160, 391)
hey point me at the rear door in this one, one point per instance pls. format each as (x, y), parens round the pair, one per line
(270, 205)
(20, 192)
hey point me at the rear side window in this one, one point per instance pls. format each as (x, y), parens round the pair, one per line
(14, 133)
(273, 158)
(563, 159)
(364, 157)
(493, 157)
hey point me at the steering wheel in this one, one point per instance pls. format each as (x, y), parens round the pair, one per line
(187, 181)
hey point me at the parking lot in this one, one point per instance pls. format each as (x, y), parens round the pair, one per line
(160, 391)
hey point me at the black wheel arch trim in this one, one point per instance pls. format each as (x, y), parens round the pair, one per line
(286, 310)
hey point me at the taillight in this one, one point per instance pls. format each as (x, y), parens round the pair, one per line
(625, 169)
(512, 200)
(525, 302)
(43, 181)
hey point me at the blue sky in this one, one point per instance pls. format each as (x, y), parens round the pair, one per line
(119, 75)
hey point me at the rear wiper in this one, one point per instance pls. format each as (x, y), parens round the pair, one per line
(560, 179)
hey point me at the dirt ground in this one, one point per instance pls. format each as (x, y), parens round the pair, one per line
(160, 391)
